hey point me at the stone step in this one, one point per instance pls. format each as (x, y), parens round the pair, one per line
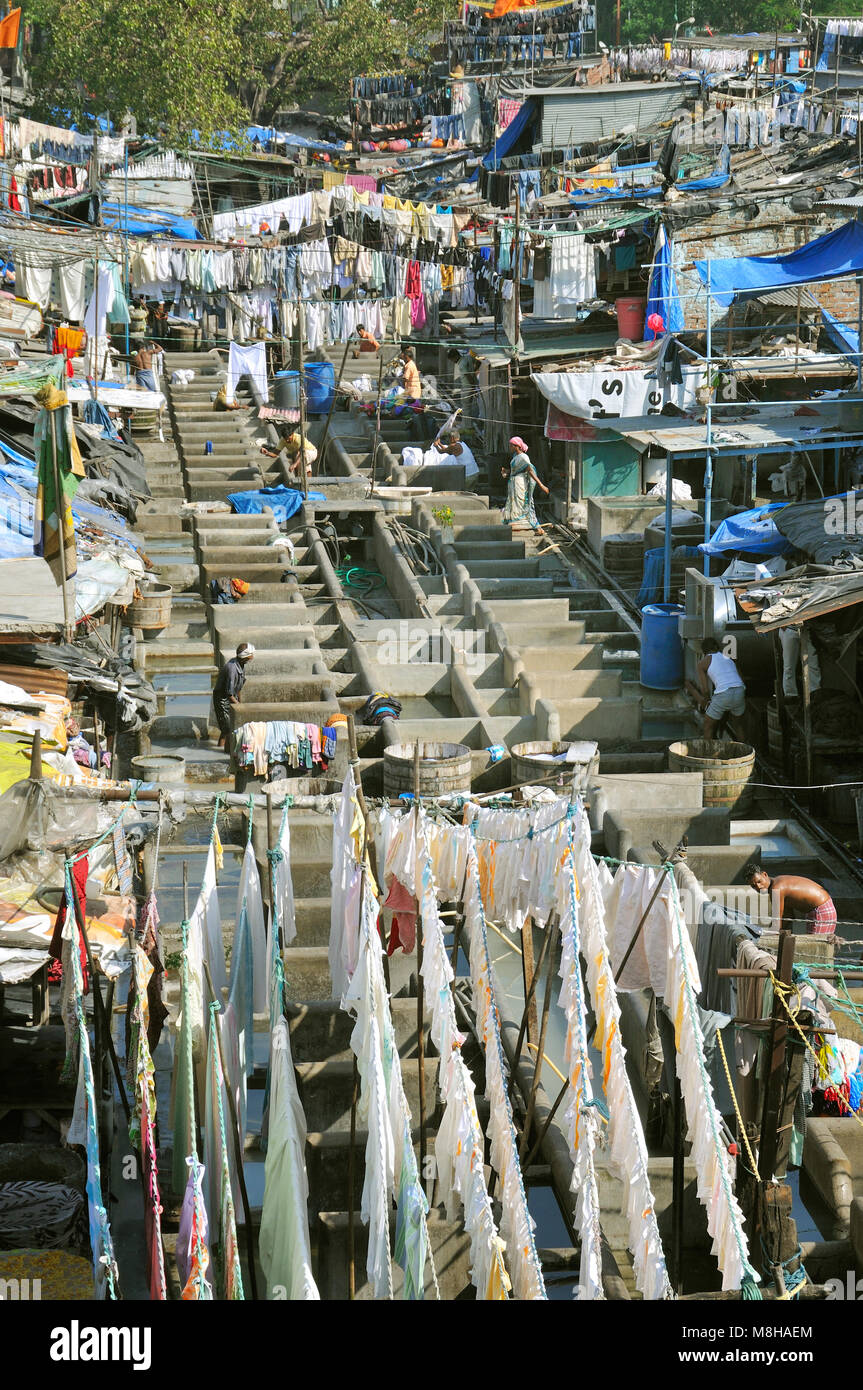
(450, 1248)
(326, 1089)
(322, 1028)
(307, 968)
(290, 614)
(328, 1162)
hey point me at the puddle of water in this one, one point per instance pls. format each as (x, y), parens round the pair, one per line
(774, 843)
(667, 727)
(188, 704)
(170, 884)
(428, 707)
(180, 682)
(192, 752)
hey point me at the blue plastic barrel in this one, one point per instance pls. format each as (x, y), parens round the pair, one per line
(286, 391)
(320, 387)
(661, 647)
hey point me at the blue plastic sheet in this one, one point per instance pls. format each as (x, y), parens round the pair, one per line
(753, 532)
(653, 580)
(662, 296)
(842, 335)
(283, 502)
(508, 138)
(148, 222)
(827, 257)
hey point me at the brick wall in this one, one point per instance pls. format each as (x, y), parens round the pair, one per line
(777, 230)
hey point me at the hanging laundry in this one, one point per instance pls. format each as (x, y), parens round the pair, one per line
(284, 1243)
(247, 360)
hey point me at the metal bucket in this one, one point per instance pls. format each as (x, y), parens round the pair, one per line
(164, 768)
(153, 609)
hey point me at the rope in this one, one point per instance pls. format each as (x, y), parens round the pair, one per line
(780, 990)
(82, 854)
(158, 842)
(793, 1280)
(741, 1127)
(251, 818)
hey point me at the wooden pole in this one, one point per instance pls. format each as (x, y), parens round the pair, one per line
(368, 843)
(101, 1023)
(324, 437)
(529, 1003)
(528, 975)
(421, 1054)
(36, 758)
(237, 1140)
(68, 614)
(351, 1180)
(534, 1087)
(807, 698)
(677, 1185)
(302, 391)
(517, 276)
(377, 418)
(776, 1053)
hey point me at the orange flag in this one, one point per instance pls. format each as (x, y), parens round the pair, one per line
(9, 29)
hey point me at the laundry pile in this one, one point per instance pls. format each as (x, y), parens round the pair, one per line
(298, 745)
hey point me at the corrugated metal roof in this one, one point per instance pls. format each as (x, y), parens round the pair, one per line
(769, 434)
(571, 116)
(851, 202)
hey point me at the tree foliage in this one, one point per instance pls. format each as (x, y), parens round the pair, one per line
(212, 65)
(643, 20)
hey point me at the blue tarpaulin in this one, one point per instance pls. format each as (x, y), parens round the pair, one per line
(148, 222)
(509, 137)
(752, 532)
(662, 296)
(827, 257)
(653, 580)
(842, 335)
(283, 502)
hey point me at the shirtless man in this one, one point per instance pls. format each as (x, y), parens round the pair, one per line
(796, 897)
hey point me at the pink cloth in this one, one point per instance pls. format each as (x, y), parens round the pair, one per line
(418, 312)
(559, 425)
(403, 931)
(363, 182)
(822, 921)
(507, 110)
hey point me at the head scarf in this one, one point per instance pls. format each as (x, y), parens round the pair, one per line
(518, 443)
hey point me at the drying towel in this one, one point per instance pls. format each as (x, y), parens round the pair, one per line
(403, 931)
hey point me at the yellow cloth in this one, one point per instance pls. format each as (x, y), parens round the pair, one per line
(15, 765)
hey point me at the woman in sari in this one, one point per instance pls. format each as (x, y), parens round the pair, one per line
(519, 509)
